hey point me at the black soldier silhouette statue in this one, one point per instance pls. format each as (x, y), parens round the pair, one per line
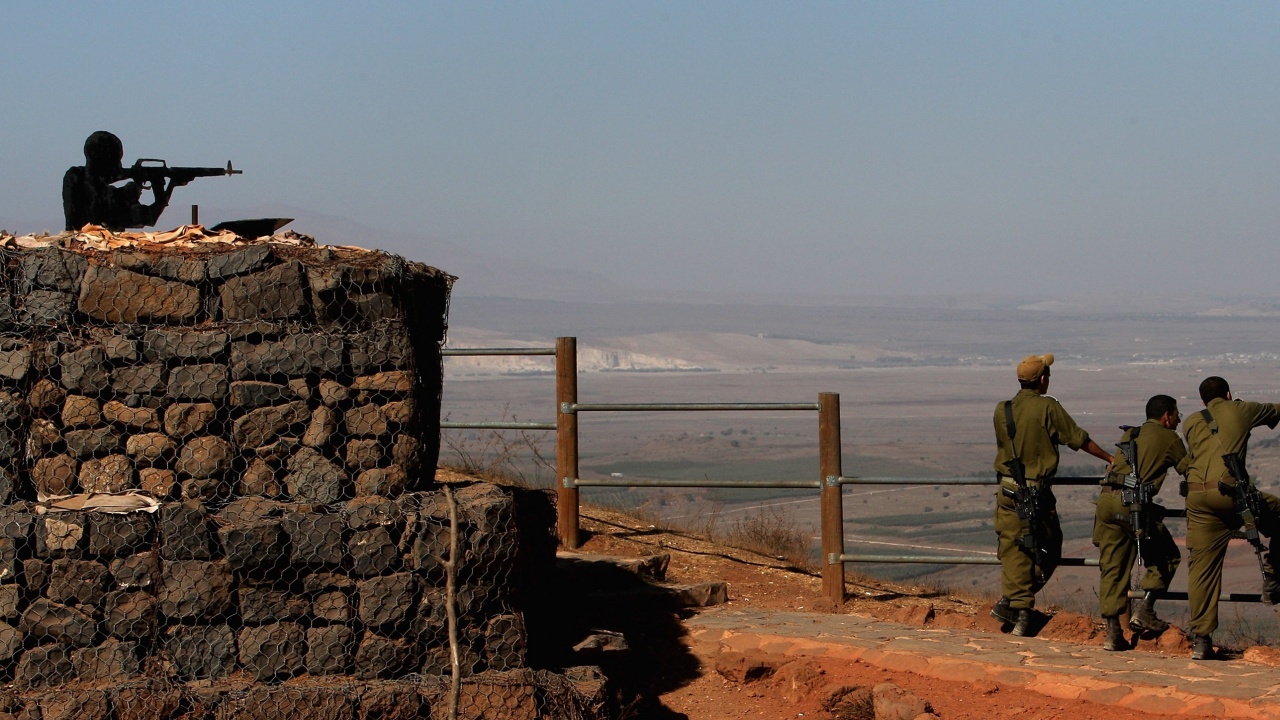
(103, 192)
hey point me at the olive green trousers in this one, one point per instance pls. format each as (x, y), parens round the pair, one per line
(1211, 520)
(1020, 577)
(1117, 551)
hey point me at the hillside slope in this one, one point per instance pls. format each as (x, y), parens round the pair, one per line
(691, 687)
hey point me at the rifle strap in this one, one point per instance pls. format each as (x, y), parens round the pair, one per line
(1011, 429)
(1131, 455)
(1213, 430)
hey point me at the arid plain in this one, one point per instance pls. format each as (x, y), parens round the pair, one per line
(917, 383)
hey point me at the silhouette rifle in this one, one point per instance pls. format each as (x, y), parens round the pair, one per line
(147, 172)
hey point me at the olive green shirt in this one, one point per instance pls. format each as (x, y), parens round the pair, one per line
(1159, 449)
(1235, 419)
(1041, 425)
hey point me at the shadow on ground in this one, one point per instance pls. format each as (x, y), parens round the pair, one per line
(582, 599)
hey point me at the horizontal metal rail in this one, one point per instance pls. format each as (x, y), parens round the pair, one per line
(646, 482)
(948, 560)
(466, 352)
(1224, 597)
(986, 480)
(843, 480)
(571, 408)
(830, 483)
(450, 425)
(496, 425)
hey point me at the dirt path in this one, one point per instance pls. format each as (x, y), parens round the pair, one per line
(798, 686)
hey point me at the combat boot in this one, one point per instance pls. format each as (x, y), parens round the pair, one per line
(1022, 628)
(1115, 635)
(1144, 617)
(1002, 612)
(1201, 647)
(1270, 589)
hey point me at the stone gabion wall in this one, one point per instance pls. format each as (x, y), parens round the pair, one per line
(281, 403)
(311, 373)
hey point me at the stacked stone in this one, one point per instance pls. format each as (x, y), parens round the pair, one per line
(268, 370)
(521, 694)
(282, 404)
(271, 588)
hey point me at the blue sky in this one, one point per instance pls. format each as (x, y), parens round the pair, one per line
(830, 148)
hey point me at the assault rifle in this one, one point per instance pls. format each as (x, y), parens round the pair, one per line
(1026, 503)
(1135, 494)
(152, 172)
(1247, 501)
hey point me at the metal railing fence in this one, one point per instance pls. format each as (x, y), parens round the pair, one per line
(496, 425)
(830, 482)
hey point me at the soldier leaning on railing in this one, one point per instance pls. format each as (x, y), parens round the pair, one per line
(1029, 428)
(1129, 524)
(1222, 499)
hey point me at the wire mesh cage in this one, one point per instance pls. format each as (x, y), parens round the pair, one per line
(217, 495)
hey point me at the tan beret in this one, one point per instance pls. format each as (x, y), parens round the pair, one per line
(1033, 366)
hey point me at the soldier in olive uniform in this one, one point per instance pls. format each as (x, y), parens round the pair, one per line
(1040, 425)
(1222, 427)
(1156, 448)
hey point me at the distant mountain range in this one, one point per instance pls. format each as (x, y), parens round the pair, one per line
(488, 275)
(479, 274)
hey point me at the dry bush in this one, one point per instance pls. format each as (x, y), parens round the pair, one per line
(1241, 628)
(506, 457)
(678, 511)
(771, 531)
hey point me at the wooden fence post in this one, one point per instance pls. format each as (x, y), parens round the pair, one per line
(566, 440)
(832, 496)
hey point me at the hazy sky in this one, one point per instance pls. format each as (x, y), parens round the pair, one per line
(782, 147)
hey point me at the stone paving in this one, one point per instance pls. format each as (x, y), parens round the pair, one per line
(1144, 681)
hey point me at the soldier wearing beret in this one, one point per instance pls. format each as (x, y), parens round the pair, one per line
(1029, 429)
